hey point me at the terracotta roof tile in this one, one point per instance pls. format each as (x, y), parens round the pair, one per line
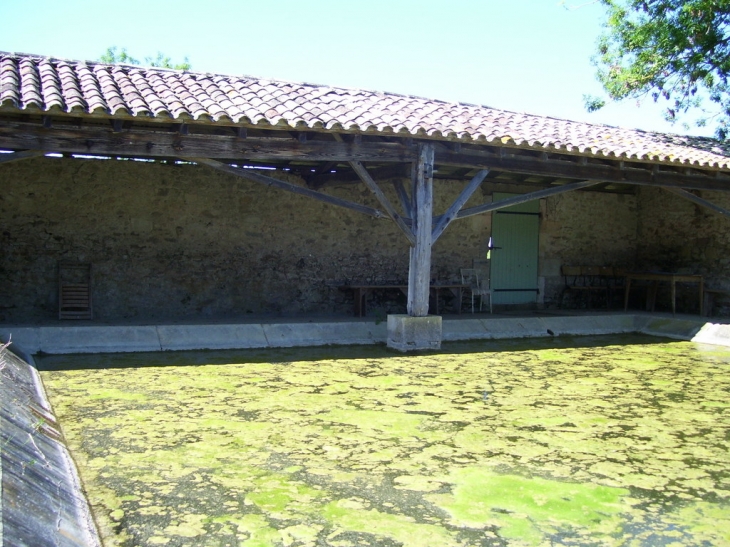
(28, 81)
(110, 91)
(9, 82)
(50, 86)
(30, 95)
(72, 95)
(91, 89)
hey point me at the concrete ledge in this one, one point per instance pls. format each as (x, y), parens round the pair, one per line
(589, 325)
(99, 339)
(120, 338)
(185, 337)
(279, 335)
(514, 327)
(406, 333)
(463, 329)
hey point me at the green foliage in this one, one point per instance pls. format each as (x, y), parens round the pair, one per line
(113, 57)
(674, 50)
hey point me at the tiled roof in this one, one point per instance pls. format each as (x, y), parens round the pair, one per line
(39, 84)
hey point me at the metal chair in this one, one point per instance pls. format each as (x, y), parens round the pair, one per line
(477, 287)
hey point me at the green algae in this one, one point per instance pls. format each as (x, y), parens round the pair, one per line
(352, 515)
(611, 442)
(530, 508)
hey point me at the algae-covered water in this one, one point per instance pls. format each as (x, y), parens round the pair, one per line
(585, 441)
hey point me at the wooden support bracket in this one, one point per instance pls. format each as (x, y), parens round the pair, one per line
(375, 189)
(471, 211)
(289, 187)
(699, 201)
(450, 215)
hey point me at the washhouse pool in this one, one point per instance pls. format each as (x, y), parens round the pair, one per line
(618, 440)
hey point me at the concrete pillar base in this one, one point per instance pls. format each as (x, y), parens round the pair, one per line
(406, 333)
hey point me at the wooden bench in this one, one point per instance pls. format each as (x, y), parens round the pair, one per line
(589, 281)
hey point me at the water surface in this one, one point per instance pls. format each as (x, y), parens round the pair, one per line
(570, 441)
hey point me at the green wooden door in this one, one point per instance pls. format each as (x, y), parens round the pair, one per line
(515, 232)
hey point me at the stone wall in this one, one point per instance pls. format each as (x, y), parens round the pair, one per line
(678, 235)
(181, 241)
(184, 241)
(585, 229)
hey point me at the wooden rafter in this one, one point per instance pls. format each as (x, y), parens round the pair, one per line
(289, 187)
(524, 198)
(699, 201)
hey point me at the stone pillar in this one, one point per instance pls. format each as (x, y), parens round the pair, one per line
(408, 333)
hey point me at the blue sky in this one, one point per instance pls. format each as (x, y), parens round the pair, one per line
(521, 55)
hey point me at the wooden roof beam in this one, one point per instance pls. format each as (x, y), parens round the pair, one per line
(157, 144)
(619, 173)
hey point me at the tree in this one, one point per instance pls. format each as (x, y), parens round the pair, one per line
(112, 57)
(676, 51)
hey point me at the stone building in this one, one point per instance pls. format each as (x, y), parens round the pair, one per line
(199, 196)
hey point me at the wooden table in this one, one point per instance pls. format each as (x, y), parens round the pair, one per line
(657, 277)
(361, 293)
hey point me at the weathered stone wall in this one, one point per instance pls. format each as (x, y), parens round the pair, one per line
(585, 229)
(184, 241)
(187, 242)
(676, 235)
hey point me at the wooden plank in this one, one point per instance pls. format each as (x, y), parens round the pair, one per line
(18, 156)
(524, 198)
(450, 214)
(289, 187)
(154, 144)
(699, 201)
(419, 273)
(382, 198)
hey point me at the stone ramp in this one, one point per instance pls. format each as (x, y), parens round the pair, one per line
(41, 502)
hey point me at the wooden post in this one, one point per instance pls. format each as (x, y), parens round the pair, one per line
(419, 273)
